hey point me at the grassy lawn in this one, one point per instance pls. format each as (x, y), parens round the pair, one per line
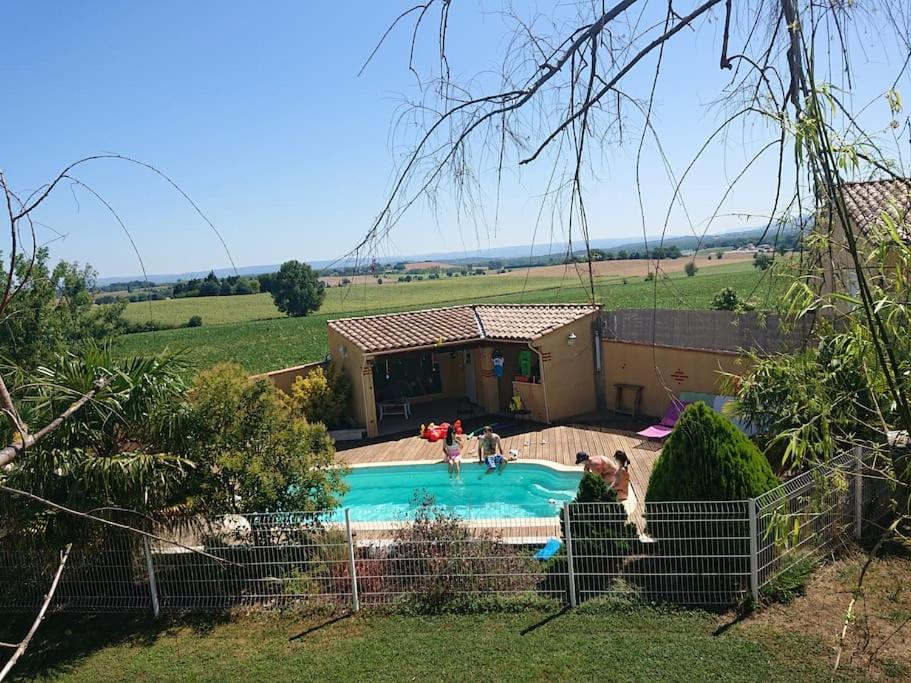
(635, 645)
(262, 345)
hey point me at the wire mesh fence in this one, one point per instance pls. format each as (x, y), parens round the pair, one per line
(688, 553)
(818, 512)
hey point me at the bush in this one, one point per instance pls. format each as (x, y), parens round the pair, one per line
(761, 261)
(728, 300)
(719, 254)
(322, 397)
(707, 458)
(195, 321)
(649, 277)
(690, 268)
(446, 565)
(790, 583)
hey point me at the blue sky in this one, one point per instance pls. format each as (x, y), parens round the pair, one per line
(257, 111)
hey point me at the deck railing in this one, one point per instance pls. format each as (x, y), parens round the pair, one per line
(689, 553)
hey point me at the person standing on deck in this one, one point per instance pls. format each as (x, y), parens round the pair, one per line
(614, 471)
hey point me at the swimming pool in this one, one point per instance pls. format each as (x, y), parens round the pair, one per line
(517, 490)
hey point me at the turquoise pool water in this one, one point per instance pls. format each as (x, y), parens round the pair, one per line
(516, 490)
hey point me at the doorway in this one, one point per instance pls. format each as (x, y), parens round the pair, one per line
(471, 386)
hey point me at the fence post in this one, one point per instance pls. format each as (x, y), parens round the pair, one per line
(858, 492)
(570, 575)
(754, 551)
(352, 571)
(153, 585)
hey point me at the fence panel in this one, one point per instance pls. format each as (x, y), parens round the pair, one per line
(806, 517)
(689, 553)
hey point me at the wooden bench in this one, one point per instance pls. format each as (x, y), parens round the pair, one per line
(395, 408)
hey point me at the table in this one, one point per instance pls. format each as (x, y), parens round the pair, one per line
(395, 408)
(637, 399)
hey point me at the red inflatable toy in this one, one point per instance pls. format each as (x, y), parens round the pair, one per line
(435, 432)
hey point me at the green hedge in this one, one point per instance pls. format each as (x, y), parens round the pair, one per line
(707, 458)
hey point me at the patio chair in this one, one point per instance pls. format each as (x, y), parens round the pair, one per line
(661, 430)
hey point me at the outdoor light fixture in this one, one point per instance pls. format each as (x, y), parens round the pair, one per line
(571, 339)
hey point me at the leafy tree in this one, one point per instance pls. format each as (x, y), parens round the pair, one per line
(195, 321)
(719, 254)
(323, 397)
(707, 458)
(296, 289)
(690, 268)
(761, 261)
(54, 313)
(728, 300)
(251, 451)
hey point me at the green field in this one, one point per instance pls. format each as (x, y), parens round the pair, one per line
(585, 645)
(254, 334)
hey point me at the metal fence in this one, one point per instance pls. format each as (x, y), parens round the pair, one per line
(689, 553)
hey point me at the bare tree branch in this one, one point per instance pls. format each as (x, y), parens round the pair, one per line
(23, 646)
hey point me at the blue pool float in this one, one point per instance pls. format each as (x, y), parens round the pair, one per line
(549, 550)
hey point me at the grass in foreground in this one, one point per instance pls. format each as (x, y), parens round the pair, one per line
(263, 345)
(634, 645)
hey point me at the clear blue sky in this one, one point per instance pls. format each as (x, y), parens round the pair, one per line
(256, 110)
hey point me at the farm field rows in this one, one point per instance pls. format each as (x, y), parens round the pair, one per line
(261, 342)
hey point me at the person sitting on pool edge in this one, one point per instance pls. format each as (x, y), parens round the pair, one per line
(614, 471)
(489, 446)
(452, 450)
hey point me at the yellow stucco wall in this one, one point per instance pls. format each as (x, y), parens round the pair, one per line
(351, 361)
(283, 379)
(568, 371)
(662, 370)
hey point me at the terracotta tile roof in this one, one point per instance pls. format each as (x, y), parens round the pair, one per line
(413, 329)
(866, 201)
(410, 330)
(526, 323)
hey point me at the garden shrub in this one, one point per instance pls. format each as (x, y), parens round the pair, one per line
(707, 458)
(790, 583)
(601, 537)
(323, 397)
(444, 565)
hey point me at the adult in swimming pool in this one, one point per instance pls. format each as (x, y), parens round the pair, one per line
(452, 450)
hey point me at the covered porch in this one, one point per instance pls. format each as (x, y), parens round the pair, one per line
(536, 363)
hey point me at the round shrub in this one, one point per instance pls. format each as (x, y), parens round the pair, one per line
(707, 458)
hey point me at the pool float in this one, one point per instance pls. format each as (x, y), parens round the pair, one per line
(435, 432)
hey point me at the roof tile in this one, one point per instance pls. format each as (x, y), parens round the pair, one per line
(437, 326)
(866, 201)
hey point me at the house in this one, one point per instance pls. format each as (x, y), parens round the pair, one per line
(462, 359)
(866, 204)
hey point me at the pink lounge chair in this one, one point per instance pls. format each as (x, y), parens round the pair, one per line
(666, 426)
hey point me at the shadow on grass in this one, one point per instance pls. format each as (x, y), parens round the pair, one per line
(63, 640)
(324, 624)
(543, 622)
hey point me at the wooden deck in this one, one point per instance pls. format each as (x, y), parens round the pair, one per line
(555, 444)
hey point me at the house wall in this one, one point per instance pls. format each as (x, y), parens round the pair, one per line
(283, 379)
(452, 372)
(351, 360)
(661, 369)
(568, 372)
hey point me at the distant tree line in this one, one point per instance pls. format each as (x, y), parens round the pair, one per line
(212, 285)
